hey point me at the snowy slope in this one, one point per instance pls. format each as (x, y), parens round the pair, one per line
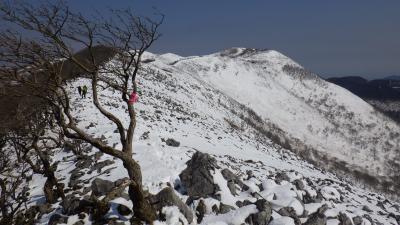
(207, 104)
(331, 126)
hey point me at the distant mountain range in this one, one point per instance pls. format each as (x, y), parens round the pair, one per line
(383, 94)
(379, 89)
(394, 77)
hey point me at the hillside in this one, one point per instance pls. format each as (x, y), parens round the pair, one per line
(245, 108)
(320, 121)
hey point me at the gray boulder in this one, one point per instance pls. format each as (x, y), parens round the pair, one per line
(73, 205)
(225, 208)
(317, 218)
(57, 219)
(299, 184)
(357, 220)
(101, 187)
(263, 216)
(123, 210)
(290, 212)
(197, 178)
(167, 197)
(172, 142)
(233, 180)
(279, 177)
(344, 219)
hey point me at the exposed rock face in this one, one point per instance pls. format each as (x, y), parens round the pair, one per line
(197, 178)
(167, 197)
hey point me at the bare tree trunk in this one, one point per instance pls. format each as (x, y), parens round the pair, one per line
(141, 206)
(6, 217)
(50, 193)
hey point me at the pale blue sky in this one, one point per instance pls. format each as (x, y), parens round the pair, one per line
(332, 38)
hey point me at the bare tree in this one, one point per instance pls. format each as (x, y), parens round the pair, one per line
(34, 144)
(13, 188)
(38, 65)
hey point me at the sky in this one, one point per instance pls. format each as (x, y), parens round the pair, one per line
(331, 38)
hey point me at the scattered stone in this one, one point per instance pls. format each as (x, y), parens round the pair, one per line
(197, 178)
(290, 212)
(279, 177)
(366, 208)
(233, 180)
(74, 181)
(344, 219)
(145, 135)
(317, 218)
(123, 210)
(98, 166)
(57, 219)
(263, 216)
(172, 142)
(225, 208)
(357, 220)
(167, 197)
(73, 205)
(299, 184)
(84, 162)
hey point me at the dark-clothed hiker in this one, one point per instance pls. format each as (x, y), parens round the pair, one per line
(84, 91)
(80, 91)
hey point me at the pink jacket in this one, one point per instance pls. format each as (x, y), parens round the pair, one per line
(133, 98)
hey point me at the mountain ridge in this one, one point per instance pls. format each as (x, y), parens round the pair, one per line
(297, 83)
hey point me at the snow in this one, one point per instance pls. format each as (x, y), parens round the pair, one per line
(330, 193)
(282, 221)
(191, 100)
(236, 217)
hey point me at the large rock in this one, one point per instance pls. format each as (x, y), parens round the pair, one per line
(197, 178)
(172, 142)
(167, 197)
(290, 212)
(263, 216)
(344, 219)
(73, 205)
(101, 187)
(123, 210)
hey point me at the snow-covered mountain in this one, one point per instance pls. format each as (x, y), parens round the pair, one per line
(322, 122)
(246, 108)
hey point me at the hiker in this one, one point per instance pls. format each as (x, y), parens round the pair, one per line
(80, 91)
(84, 91)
